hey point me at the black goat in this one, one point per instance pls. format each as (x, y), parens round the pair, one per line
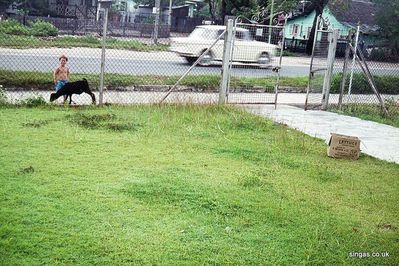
(76, 87)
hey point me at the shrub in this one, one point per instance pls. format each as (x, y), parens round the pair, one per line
(384, 55)
(90, 39)
(43, 28)
(34, 101)
(3, 96)
(11, 26)
(360, 85)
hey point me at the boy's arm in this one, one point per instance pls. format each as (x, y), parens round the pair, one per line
(68, 73)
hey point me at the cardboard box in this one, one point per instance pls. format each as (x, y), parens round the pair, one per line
(342, 146)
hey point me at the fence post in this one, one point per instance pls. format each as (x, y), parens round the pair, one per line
(353, 60)
(277, 86)
(271, 21)
(311, 62)
(344, 74)
(361, 60)
(100, 98)
(332, 47)
(226, 62)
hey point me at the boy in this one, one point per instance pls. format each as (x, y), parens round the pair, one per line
(61, 74)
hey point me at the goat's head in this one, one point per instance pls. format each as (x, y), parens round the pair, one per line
(53, 97)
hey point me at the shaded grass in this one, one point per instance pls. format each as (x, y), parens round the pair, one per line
(15, 41)
(187, 185)
(30, 79)
(373, 112)
(386, 84)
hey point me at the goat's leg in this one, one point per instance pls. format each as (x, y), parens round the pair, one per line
(93, 98)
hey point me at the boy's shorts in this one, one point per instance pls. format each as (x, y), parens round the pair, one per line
(60, 84)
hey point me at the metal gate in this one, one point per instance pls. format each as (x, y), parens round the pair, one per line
(255, 64)
(321, 65)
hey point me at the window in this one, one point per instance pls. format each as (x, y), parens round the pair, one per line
(239, 35)
(243, 35)
(295, 29)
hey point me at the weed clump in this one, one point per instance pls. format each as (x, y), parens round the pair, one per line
(102, 121)
(34, 101)
(35, 123)
(3, 97)
(27, 170)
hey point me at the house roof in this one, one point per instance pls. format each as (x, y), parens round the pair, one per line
(358, 11)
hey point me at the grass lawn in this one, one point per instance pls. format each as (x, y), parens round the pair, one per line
(15, 41)
(185, 185)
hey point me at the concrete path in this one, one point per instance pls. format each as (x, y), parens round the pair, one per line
(378, 140)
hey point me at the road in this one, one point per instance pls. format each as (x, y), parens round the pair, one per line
(87, 60)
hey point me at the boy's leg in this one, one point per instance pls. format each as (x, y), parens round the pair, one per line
(58, 85)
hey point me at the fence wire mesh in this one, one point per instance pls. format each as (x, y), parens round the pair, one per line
(254, 73)
(318, 69)
(136, 69)
(139, 71)
(358, 94)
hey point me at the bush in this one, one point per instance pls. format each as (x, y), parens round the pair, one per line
(90, 39)
(3, 96)
(383, 55)
(34, 101)
(360, 85)
(43, 28)
(11, 26)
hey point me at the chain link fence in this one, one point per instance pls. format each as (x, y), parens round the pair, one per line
(318, 68)
(358, 94)
(139, 71)
(136, 69)
(256, 68)
(351, 89)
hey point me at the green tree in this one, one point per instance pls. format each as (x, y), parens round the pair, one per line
(5, 2)
(260, 8)
(214, 6)
(163, 2)
(388, 20)
(318, 6)
(39, 7)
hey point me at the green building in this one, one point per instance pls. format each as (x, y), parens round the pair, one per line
(341, 18)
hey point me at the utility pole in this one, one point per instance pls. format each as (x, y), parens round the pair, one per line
(156, 25)
(332, 48)
(227, 52)
(271, 21)
(354, 59)
(170, 15)
(106, 5)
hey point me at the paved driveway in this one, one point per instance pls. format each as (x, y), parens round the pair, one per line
(377, 140)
